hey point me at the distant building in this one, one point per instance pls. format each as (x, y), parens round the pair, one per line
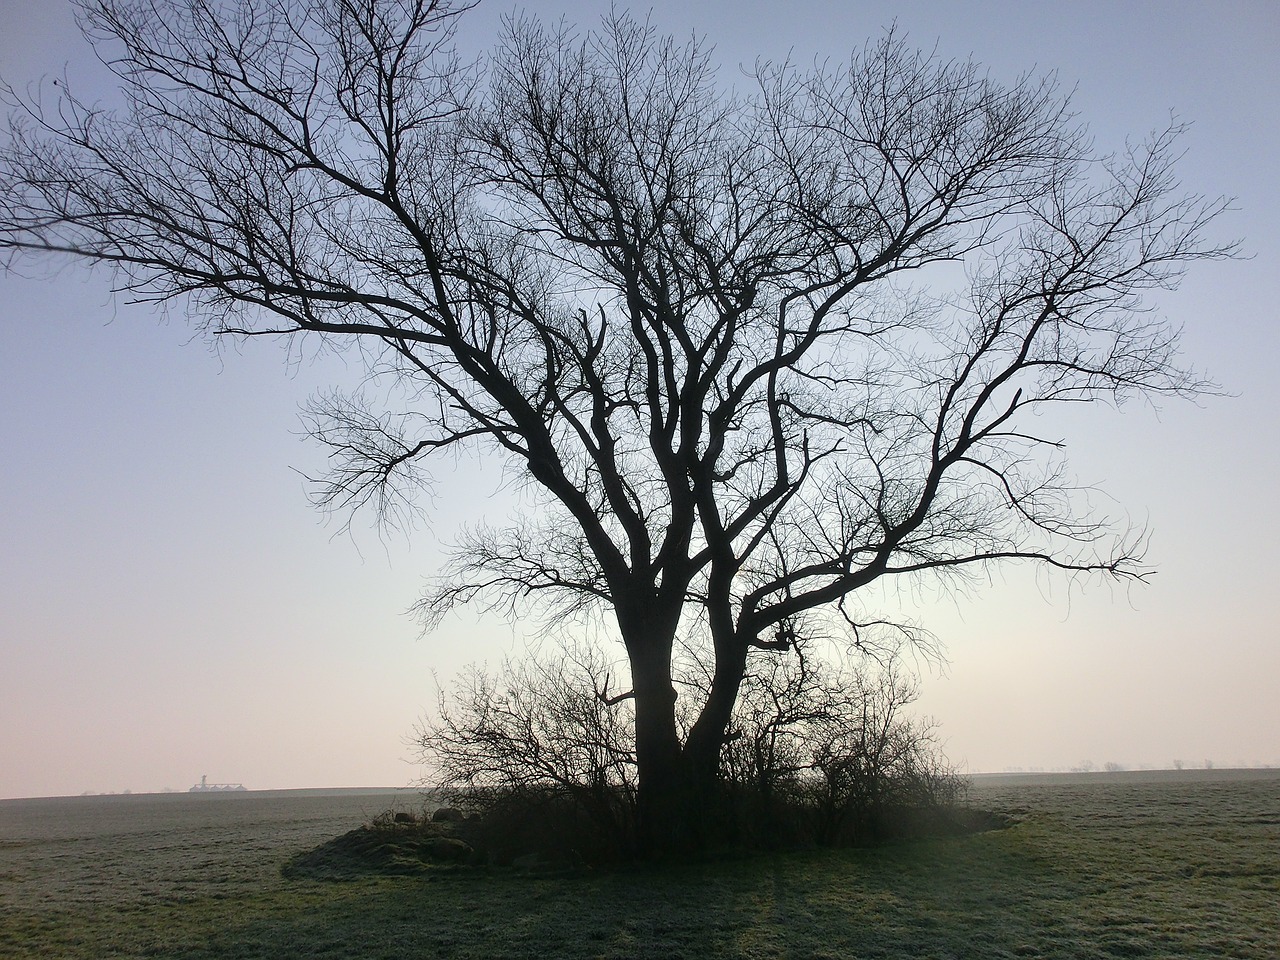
(204, 786)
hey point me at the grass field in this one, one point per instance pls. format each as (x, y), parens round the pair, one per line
(1100, 865)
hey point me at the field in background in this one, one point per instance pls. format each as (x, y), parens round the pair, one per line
(1161, 864)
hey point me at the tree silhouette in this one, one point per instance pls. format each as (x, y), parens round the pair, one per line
(754, 350)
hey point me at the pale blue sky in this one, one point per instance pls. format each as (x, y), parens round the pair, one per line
(170, 606)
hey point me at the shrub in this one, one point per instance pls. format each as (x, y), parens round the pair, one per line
(830, 755)
(816, 753)
(543, 752)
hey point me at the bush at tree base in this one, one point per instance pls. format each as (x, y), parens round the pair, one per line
(817, 754)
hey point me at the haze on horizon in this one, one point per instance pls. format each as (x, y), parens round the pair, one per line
(170, 606)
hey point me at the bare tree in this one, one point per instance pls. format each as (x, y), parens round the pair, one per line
(754, 351)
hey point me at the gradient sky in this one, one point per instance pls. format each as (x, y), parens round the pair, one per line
(170, 606)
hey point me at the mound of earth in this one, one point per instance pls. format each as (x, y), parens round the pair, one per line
(407, 845)
(401, 849)
(916, 823)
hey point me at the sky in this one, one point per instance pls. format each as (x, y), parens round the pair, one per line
(172, 607)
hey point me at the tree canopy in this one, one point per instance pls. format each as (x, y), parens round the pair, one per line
(754, 349)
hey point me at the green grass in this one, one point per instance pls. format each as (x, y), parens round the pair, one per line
(1111, 865)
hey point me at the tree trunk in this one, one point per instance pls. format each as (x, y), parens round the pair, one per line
(702, 749)
(679, 800)
(661, 800)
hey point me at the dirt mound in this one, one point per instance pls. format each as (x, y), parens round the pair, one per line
(379, 850)
(918, 823)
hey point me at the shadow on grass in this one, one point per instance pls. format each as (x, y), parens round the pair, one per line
(920, 899)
